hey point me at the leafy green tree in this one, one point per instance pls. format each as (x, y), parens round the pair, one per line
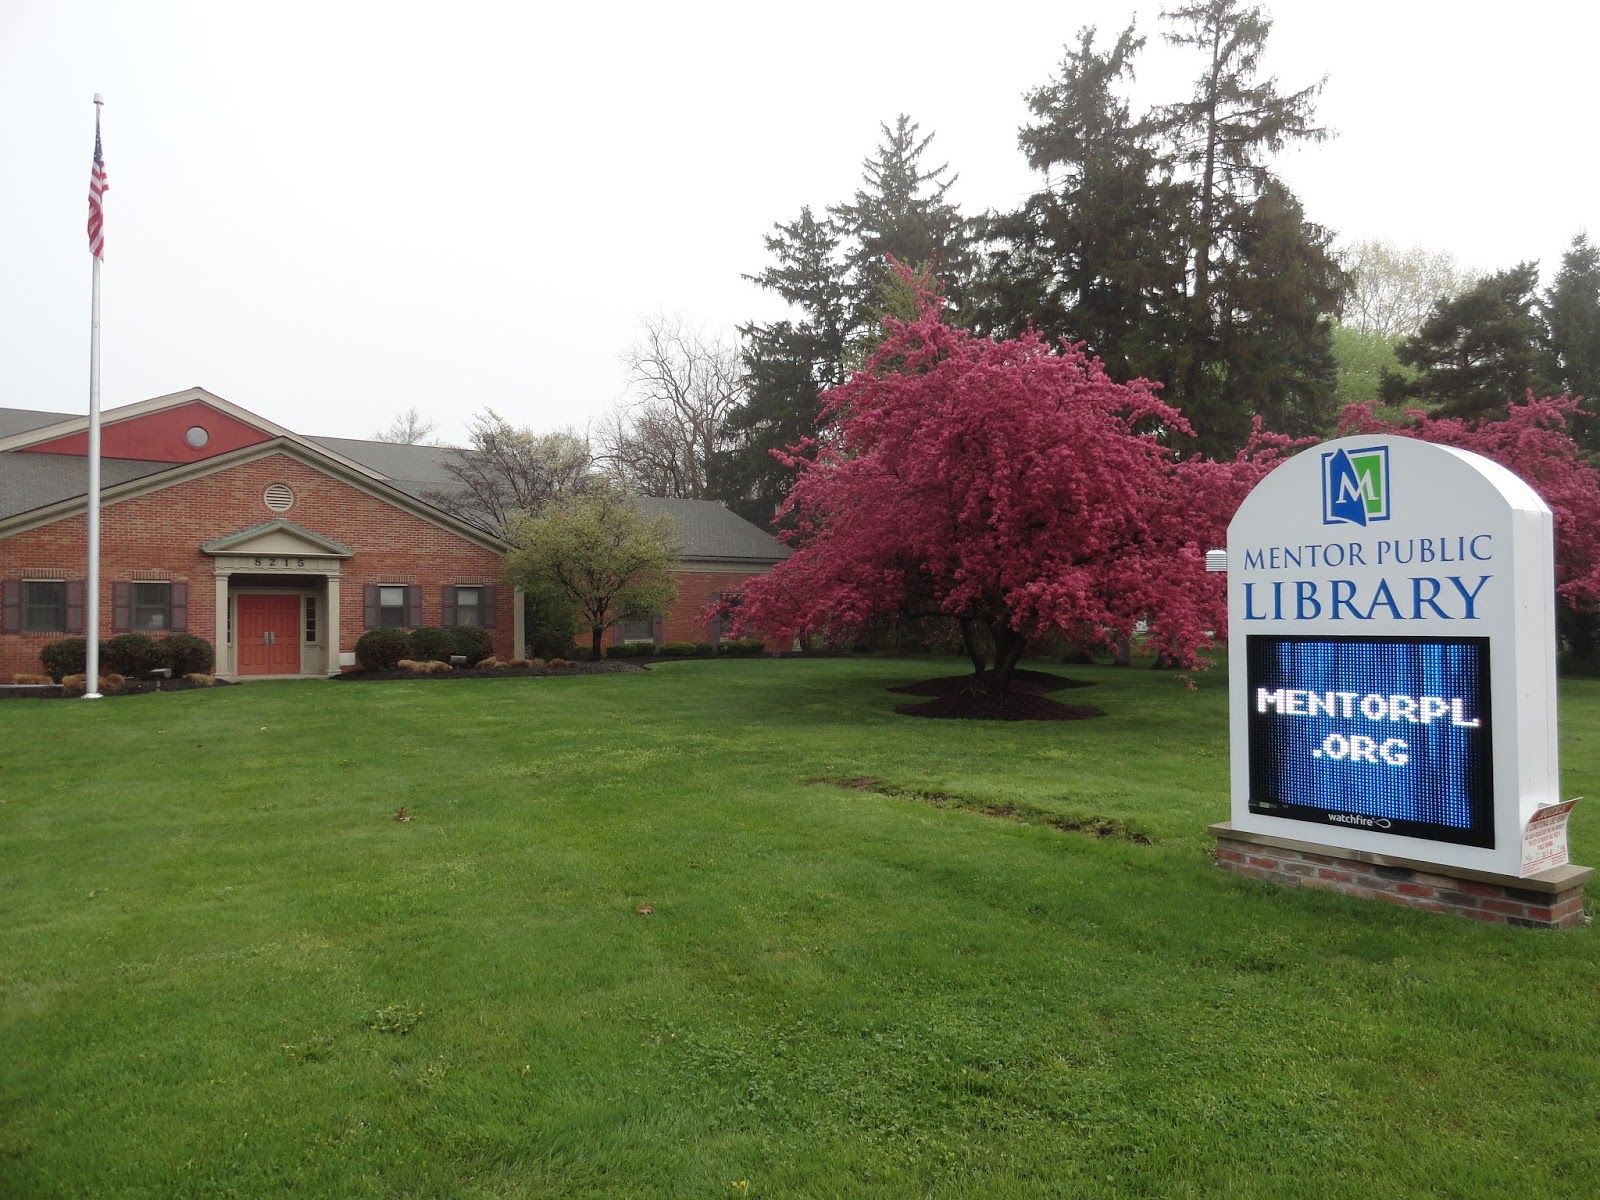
(1392, 290)
(1478, 352)
(1571, 310)
(1362, 358)
(597, 551)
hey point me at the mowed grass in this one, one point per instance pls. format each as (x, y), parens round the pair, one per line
(227, 970)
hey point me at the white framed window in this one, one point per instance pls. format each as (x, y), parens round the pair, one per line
(152, 606)
(469, 606)
(392, 606)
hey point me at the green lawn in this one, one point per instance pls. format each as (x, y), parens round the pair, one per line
(226, 970)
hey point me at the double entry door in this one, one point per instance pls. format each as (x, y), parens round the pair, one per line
(268, 638)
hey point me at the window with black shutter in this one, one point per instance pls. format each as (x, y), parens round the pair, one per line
(44, 606)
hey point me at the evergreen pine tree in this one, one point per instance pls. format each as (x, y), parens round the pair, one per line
(1571, 310)
(1479, 351)
(1220, 142)
(1096, 256)
(788, 364)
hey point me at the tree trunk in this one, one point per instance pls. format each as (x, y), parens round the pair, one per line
(969, 642)
(1124, 657)
(1008, 647)
(596, 632)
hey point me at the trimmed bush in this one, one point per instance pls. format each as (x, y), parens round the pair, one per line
(200, 679)
(77, 684)
(705, 648)
(68, 656)
(186, 654)
(430, 643)
(470, 642)
(631, 650)
(130, 654)
(423, 667)
(742, 646)
(381, 649)
(680, 649)
(24, 677)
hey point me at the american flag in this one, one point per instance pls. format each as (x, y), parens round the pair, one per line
(97, 189)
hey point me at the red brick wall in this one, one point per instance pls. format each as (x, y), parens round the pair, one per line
(696, 589)
(162, 531)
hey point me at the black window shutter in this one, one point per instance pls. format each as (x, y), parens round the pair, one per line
(486, 616)
(413, 605)
(11, 606)
(121, 607)
(178, 618)
(658, 627)
(74, 606)
(370, 614)
(449, 606)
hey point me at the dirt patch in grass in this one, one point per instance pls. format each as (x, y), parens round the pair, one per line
(1021, 814)
(606, 666)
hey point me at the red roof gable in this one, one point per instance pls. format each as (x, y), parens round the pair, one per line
(163, 436)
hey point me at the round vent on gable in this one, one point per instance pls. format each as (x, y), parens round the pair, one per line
(196, 436)
(279, 498)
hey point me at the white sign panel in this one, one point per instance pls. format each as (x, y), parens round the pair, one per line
(1391, 623)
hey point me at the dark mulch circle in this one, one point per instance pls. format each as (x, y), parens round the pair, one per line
(1022, 680)
(987, 706)
(606, 666)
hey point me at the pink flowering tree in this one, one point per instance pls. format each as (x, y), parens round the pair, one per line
(1009, 485)
(1534, 441)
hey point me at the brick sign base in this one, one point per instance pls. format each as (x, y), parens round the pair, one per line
(1552, 899)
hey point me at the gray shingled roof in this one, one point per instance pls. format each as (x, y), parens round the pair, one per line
(706, 529)
(20, 420)
(30, 481)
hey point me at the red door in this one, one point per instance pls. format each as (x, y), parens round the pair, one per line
(269, 635)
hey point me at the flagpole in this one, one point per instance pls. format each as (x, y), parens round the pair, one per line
(92, 599)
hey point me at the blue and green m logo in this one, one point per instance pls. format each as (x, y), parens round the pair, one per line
(1355, 486)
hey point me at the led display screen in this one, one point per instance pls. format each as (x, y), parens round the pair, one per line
(1390, 734)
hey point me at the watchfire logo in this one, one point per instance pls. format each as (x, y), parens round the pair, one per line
(1355, 486)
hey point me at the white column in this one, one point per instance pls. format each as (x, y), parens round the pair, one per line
(519, 623)
(225, 662)
(333, 635)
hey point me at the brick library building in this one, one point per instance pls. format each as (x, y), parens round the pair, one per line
(280, 549)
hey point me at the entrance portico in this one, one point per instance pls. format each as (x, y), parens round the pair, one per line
(277, 597)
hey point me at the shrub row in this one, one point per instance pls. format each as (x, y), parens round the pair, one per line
(735, 646)
(130, 654)
(382, 649)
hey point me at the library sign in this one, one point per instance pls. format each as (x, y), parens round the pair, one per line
(1392, 686)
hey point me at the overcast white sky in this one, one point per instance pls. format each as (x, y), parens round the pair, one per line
(331, 212)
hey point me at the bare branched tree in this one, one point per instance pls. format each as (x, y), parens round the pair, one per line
(682, 385)
(1395, 289)
(410, 428)
(506, 470)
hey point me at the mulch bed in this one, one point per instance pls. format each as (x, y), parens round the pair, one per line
(606, 666)
(133, 687)
(960, 698)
